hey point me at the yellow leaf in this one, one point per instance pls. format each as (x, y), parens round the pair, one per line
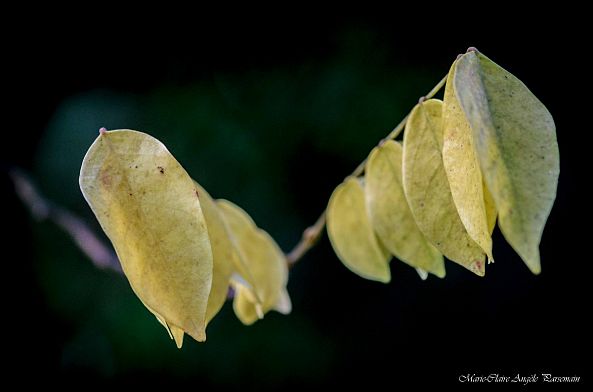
(160, 319)
(174, 332)
(515, 140)
(147, 205)
(427, 188)
(177, 335)
(264, 260)
(490, 209)
(463, 169)
(352, 235)
(237, 279)
(222, 253)
(284, 305)
(390, 215)
(247, 311)
(423, 274)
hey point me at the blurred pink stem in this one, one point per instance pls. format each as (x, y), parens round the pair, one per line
(83, 236)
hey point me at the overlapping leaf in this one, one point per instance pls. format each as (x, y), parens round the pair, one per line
(390, 215)
(223, 252)
(515, 141)
(463, 170)
(427, 189)
(351, 233)
(490, 207)
(265, 262)
(147, 205)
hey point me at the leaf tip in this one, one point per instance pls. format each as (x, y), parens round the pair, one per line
(384, 277)
(535, 267)
(198, 332)
(478, 268)
(283, 305)
(422, 273)
(532, 260)
(102, 131)
(259, 311)
(177, 335)
(201, 337)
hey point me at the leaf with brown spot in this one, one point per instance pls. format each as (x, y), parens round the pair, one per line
(159, 233)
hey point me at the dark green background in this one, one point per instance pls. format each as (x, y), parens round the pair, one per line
(272, 115)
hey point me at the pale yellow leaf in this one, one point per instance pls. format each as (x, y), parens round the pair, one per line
(177, 335)
(463, 169)
(222, 253)
(246, 310)
(427, 189)
(147, 205)
(246, 304)
(284, 304)
(490, 209)
(352, 235)
(516, 145)
(390, 215)
(423, 274)
(238, 280)
(264, 260)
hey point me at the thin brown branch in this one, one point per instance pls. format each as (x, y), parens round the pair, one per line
(312, 233)
(310, 237)
(83, 236)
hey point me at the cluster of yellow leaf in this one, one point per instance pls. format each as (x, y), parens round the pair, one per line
(488, 149)
(180, 249)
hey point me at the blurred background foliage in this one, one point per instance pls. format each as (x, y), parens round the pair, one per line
(273, 118)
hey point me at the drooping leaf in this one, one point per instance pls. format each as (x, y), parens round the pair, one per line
(222, 253)
(515, 140)
(351, 234)
(147, 205)
(427, 189)
(390, 215)
(264, 259)
(463, 169)
(248, 311)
